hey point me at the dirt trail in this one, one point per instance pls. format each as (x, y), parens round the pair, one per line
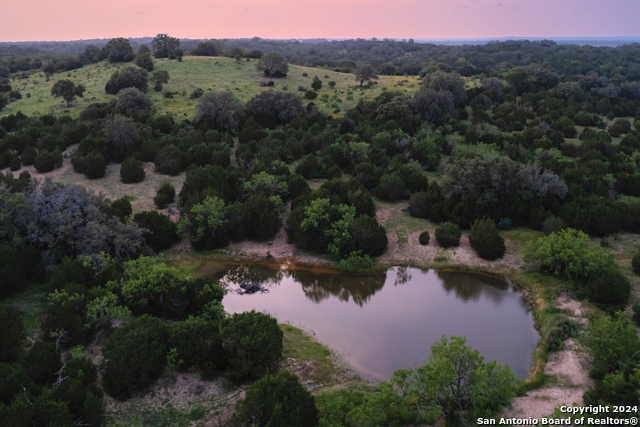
(570, 366)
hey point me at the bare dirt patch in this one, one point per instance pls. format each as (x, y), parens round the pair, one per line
(111, 186)
(570, 366)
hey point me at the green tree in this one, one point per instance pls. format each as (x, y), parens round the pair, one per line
(158, 79)
(67, 90)
(317, 83)
(253, 341)
(448, 234)
(219, 111)
(486, 240)
(127, 77)
(143, 58)
(165, 46)
(277, 401)
(365, 73)
(273, 65)
(205, 224)
(119, 50)
(456, 380)
(134, 356)
(613, 342)
(13, 334)
(132, 171)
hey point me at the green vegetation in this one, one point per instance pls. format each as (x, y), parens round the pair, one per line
(484, 238)
(448, 234)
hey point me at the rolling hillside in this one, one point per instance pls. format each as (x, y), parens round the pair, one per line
(207, 73)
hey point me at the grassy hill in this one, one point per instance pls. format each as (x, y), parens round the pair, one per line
(209, 74)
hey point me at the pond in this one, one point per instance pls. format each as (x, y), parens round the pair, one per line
(381, 322)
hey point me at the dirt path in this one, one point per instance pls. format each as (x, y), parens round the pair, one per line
(570, 366)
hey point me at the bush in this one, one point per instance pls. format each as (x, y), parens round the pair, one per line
(165, 195)
(13, 378)
(424, 238)
(302, 88)
(391, 187)
(608, 285)
(448, 234)
(12, 336)
(253, 343)
(169, 160)
(297, 185)
(635, 263)
(505, 224)
(127, 77)
(162, 231)
(14, 165)
(45, 161)
(132, 171)
(260, 217)
(636, 314)
(196, 342)
(368, 236)
(333, 172)
(42, 362)
(196, 94)
(419, 205)
(134, 356)
(28, 156)
(553, 224)
(310, 94)
(121, 208)
(484, 238)
(94, 165)
(277, 400)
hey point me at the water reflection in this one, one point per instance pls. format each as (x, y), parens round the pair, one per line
(388, 320)
(471, 287)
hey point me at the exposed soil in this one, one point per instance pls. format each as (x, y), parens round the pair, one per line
(111, 186)
(570, 366)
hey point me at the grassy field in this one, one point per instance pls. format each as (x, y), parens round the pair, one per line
(209, 74)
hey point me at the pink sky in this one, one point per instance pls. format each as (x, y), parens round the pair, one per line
(85, 19)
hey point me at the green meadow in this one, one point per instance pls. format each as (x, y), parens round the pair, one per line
(207, 73)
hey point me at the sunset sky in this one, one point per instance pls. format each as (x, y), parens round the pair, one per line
(86, 19)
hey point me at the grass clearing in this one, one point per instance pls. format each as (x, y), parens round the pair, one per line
(32, 304)
(313, 360)
(208, 73)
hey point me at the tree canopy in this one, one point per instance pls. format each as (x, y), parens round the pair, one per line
(67, 90)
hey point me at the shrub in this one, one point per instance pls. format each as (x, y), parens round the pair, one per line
(45, 161)
(424, 238)
(505, 224)
(331, 84)
(368, 237)
(608, 285)
(636, 314)
(196, 93)
(14, 165)
(419, 205)
(121, 208)
(28, 156)
(391, 187)
(635, 263)
(297, 185)
(253, 343)
(162, 231)
(310, 94)
(448, 234)
(13, 378)
(302, 88)
(42, 362)
(206, 224)
(260, 217)
(196, 342)
(165, 195)
(12, 336)
(484, 238)
(94, 165)
(132, 171)
(169, 160)
(333, 172)
(15, 94)
(277, 400)
(553, 224)
(134, 356)
(127, 77)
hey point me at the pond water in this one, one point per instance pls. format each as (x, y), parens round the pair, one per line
(385, 321)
